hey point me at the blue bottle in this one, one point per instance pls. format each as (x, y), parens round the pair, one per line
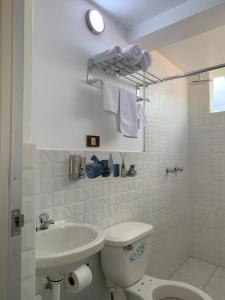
(116, 170)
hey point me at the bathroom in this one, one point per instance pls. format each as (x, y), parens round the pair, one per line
(169, 177)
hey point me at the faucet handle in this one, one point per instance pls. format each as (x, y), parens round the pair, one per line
(51, 221)
(179, 169)
(168, 170)
(44, 218)
(45, 221)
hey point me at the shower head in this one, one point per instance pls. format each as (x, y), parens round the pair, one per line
(200, 79)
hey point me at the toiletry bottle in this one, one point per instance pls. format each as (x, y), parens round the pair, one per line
(106, 169)
(116, 170)
(123, 169)
(132, 172)
(110, 162)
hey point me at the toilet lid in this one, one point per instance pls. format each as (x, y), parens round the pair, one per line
(126, 233)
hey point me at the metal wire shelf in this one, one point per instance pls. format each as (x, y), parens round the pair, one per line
(116, 65)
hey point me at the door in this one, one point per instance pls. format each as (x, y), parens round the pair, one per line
(5, 137)
(11, 121)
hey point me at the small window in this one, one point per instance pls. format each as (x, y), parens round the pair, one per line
(218, 95)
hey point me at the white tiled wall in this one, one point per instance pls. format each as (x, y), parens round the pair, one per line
(207, 169)
(151, 197)
(28, 231)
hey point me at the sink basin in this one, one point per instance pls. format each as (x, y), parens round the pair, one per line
(64, 244)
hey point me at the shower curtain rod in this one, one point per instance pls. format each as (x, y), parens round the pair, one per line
(191, 73)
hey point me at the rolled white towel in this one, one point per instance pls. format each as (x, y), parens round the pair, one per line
(146, 60)
(133, 54)
(109, 51)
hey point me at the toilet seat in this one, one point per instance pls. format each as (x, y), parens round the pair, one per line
(149, 288)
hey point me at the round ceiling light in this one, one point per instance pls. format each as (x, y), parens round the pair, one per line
(95, 21)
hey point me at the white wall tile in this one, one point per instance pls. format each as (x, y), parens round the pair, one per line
(207, 180)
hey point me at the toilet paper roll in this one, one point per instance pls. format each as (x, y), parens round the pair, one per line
(79, 279)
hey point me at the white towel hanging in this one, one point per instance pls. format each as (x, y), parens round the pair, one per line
(110, 97)
(128, 114)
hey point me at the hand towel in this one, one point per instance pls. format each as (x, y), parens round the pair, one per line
(132, 54)
(128, 114)
(146, 60)
(141, 115)
(110, 97)
(111, 50)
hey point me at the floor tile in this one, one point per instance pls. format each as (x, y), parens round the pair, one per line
(220, 272)
(195, 272)
(201, 265)
(216, 288)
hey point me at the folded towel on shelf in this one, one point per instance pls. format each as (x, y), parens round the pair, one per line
(146, 60)
(110, 97)
(129, 66)
(132, 54)
(109, 51)
(128, 114)
(141, 115)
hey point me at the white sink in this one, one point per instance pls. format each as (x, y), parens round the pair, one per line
(63, 245)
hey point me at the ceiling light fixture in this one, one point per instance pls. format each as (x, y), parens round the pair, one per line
(95, 21)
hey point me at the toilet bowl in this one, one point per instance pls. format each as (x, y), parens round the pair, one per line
(149, 288)
(124, 259)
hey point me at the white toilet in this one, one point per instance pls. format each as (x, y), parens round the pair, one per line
(124, 260)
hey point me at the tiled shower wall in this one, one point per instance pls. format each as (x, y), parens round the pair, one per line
(151, 197)
(207, 169)
(28, 231)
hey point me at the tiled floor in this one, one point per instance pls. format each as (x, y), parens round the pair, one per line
(204, 275)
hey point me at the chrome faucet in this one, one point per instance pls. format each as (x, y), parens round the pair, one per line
(45, 221)
(168, 170)
(179, 169)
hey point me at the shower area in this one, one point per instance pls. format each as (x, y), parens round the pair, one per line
(205, 269)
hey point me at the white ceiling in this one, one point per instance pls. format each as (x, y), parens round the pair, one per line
(190, 33)
(132, 12)
(203, 50)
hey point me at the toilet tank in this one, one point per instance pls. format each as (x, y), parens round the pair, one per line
(124, 257)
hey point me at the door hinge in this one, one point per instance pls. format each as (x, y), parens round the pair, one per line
(17, 222)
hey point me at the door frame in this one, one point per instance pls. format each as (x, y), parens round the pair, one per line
(11, 141)
(16, 155)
